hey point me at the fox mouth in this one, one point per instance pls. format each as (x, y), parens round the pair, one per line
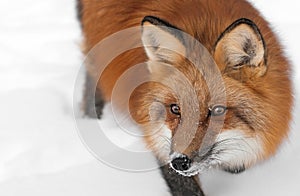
(196, 168)
(203, 161)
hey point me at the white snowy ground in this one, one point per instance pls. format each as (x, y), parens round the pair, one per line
(40, 150)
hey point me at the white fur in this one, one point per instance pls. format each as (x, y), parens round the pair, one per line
(162, 143)
(239, 149)
(234, 149)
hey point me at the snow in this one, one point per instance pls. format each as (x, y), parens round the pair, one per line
(41, 152)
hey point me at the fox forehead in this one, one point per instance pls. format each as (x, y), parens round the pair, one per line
(182, 78)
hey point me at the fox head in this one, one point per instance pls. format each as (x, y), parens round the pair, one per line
(203, 109)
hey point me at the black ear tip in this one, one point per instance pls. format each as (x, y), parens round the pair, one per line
(152, 19)
(244, 21)
(157, 22)
(247, 22)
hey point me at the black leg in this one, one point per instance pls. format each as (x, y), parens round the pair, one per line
(180, 185)
(92, 100)
(79, 10)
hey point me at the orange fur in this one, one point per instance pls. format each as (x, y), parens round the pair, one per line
(270, 96)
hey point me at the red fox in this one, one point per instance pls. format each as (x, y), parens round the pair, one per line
(254, 70)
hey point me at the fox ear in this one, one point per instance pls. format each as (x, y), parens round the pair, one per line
(241, 51)
(162, 41)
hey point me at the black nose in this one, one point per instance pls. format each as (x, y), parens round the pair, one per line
(182, 163)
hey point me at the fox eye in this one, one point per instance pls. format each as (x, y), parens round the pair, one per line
(217, 110)
(175, 109)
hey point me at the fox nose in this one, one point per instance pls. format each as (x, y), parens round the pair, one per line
(181, 163)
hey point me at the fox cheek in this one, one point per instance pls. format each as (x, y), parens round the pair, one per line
(238, 150)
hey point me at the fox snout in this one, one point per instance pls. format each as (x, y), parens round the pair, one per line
(181, 163)
(189, 165)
